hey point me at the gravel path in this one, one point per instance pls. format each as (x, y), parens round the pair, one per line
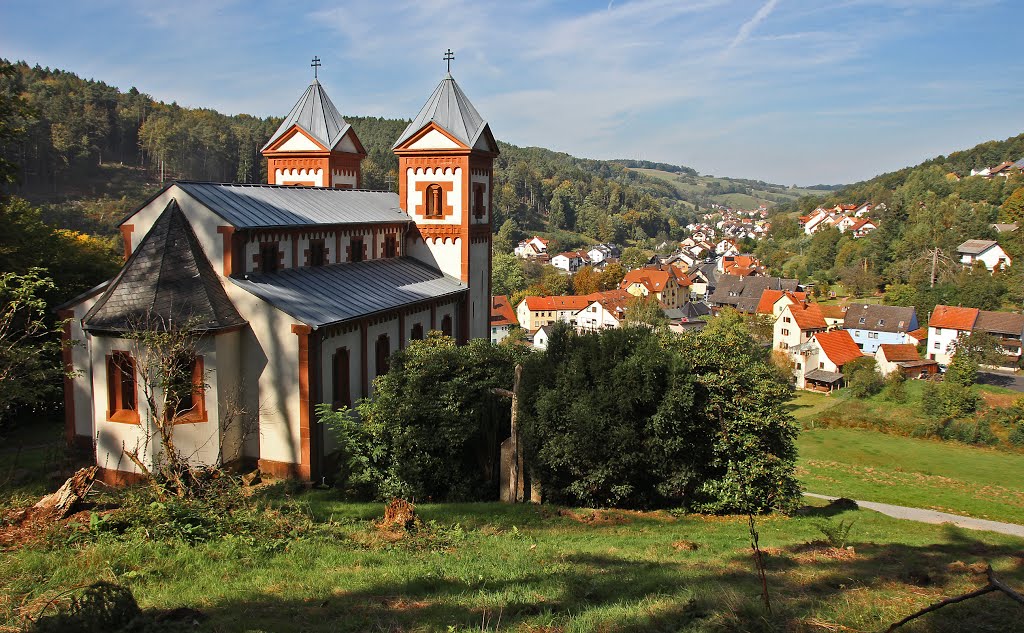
(932, 516)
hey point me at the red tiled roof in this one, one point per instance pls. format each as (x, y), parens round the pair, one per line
(832, 311)
(502, 312)
(571, 302)
(654, 279)
(838, 345)
(770, 297)
(901, 352)
(919, 334)
(809, 317)
(954, 318)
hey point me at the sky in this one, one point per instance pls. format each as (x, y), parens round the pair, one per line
(788, 91)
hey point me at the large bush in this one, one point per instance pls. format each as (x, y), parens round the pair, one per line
(629, 418)
(433, 427)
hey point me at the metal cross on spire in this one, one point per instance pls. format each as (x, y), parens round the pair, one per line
(316, 66)
(448, 57)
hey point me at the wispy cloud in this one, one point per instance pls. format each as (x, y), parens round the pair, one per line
(748, 27)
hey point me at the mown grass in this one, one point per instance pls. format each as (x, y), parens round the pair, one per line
(529, 568)
(946, 476)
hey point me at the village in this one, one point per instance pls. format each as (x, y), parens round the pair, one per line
(706, 274)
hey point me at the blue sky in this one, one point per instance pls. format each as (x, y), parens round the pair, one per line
(789, 91)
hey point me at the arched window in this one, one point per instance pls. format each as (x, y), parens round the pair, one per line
(435, 201)
(417, 332)
(383, 354)
(446, 325)
(342, 396)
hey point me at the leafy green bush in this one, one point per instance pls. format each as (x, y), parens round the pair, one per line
(837, 534)
(862, 377)
(895, 389)
(434, 426)
(627, 418)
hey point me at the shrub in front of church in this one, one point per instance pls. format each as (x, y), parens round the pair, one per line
(633, 418)
(433, 430)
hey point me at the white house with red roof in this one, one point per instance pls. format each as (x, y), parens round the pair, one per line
(503, 318)
(824, 358)
(608, 310)
(946, 325)
(569, 261)
(668, 284)
(533, 247)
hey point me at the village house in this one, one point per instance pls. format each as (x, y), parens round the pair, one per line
(772, 302)
(744, 293)
(903, 357)
(666, 283)
(740, 265)
(870, 325)
(946, 325)
(795, 325)
(834, 315)
(570, 261)
(297, 290)
(988, 252)
(541, 336)
(531, 248)
(823, 359)
(503, 318)
(534, 312)
(603, 252)
(1008, 330)
(607, 311)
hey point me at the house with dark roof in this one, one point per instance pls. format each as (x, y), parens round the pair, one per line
(988, 252)
(871, 325)
(294, 293)
(744, 293)
(1008, 330)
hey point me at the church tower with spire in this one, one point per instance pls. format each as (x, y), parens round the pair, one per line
(314, 146)
(445, 183)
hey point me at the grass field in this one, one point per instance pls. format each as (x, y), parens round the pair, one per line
(321, 564)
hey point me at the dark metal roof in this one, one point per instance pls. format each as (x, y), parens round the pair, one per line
(325, 295)
(975, 247)
(880, 318)
(449, 108)
(167, 280)
(260, 206)
(730, 289)
(315, 113)
(820, 375)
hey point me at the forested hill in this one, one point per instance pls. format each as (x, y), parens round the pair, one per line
(942, 176)
(88, 153)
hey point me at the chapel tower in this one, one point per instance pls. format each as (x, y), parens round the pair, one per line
(314, 146)
(445, 183)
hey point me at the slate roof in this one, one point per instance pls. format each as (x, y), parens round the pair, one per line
(688, 311)
(264, 206)
(315, 113)
(325, 295)
(1005, 323)
(954, 318)
(975, 247)
(168, 279)
(838, 345)
(820, 375)
(451, 109)
(730, 290)
(879, 318)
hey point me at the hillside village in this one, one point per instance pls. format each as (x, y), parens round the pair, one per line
(706, 273)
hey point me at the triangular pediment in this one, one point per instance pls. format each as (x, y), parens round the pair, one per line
(296, 139)
(485, 140)
(349, 143)
(432, 136)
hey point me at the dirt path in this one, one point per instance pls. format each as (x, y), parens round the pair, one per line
(933, 516)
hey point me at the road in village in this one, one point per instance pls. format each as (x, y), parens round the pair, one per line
(932, 516)
(1005, 379)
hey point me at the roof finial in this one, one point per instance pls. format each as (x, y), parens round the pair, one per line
(448, 57)
(316, 65)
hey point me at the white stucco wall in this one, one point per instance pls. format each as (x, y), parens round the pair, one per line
(479, 290)
(198, 441)
(204, 222)
(291, 175)
(453, 198)
(269, 360)
(434, 140)
(940, 344)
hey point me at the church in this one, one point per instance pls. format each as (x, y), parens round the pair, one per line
(298, 290)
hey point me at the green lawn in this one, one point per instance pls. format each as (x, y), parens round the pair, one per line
(947, 476)
(526, 568)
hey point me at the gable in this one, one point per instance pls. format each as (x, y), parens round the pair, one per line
(349, 143)
(485, 142)
(296, 140)
(434, 139)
